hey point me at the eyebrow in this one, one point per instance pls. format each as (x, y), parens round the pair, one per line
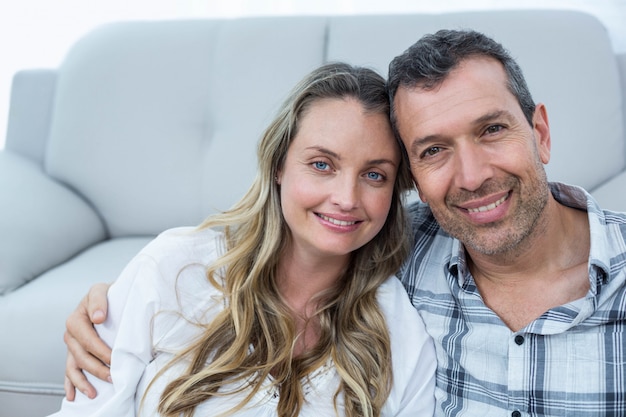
(498, 114)
(381, 161)
(336, 156)
(324, 150)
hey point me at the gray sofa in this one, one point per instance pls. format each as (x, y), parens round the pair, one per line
(150, 125)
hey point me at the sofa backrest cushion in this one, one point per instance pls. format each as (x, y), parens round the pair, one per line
(156, 123)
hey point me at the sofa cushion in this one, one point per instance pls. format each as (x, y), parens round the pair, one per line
(44, 304)
(156, 123)
(42, 227)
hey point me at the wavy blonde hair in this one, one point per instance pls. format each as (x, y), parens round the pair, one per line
(353, 330)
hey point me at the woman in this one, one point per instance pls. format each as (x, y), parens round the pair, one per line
(291, 310)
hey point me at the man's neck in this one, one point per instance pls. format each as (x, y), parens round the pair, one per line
(547, 269)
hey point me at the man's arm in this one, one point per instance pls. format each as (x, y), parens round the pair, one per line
(86, 351)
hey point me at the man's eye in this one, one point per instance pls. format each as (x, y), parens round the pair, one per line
(322, 166)
(433, 150)
(493, 129)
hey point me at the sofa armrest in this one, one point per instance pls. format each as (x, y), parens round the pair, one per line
(30, 111)
(612, 194)
(42, 223)
(621, 66)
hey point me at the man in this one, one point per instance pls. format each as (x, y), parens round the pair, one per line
(520, 282)
(528, 309)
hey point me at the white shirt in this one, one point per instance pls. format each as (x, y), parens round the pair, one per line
(161, 293)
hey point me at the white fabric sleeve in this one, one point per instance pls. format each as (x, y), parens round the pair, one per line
(413, 355)
(133, 301)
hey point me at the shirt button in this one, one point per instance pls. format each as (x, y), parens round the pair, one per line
(516, 413)
(519, 339)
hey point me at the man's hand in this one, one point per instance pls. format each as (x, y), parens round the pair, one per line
(86, 351)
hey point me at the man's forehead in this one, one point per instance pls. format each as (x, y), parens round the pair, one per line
(474, 79)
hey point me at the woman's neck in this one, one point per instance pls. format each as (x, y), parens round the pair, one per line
(300, 281)
(301, 277)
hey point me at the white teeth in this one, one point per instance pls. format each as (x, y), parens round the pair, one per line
(335, 221)
(488, 207)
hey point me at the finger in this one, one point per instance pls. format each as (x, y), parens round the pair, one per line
(70, 389)
(75, 379)
(97, 304)
(83, 360)
(85, 340)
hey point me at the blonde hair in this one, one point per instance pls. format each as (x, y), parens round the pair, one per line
(353, 330)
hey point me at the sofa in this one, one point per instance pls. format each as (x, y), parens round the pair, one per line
(150, 125)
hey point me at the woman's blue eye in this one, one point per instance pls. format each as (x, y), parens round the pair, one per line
(320, 165)
(374, 176)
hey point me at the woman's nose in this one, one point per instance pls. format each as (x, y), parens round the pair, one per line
(345, 193)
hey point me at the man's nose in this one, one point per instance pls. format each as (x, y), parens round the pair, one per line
(472, 167)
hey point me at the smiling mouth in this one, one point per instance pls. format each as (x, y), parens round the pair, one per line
(336, 222)
(489, 206)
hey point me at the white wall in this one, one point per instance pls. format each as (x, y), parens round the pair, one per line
(37, 33)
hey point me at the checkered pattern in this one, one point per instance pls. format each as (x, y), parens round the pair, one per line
(568, 362)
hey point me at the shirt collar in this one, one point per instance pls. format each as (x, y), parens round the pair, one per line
(571, 196)
(600, 248)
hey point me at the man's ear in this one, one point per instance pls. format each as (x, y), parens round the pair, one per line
(541, 129)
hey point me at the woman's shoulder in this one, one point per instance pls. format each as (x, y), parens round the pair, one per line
(413, 354)
(177, 259)
(392, 296)
(185, 245)
(406, 327)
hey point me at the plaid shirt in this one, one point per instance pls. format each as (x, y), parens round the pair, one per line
(571, 361)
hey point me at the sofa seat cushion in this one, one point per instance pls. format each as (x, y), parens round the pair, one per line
(35, 315)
